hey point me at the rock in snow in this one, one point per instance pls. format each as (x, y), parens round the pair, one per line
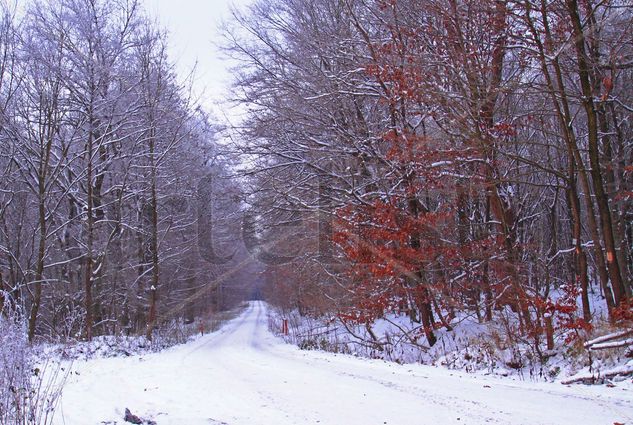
(129, 417)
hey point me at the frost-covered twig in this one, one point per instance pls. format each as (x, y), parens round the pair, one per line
(29, 385)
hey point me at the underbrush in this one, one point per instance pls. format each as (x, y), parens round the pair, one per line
(32, 376)
(489, 348)
(167, 335)
(30, 381)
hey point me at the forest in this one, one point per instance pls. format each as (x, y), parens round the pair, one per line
(426, 159)
(443, 160)
(105, 155)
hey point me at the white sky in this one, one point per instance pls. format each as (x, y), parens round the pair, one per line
(193, 27)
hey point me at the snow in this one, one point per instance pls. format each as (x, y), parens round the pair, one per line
(616, 373)
(243, 374)
(491, 347)
(609, 337)
(614, 344)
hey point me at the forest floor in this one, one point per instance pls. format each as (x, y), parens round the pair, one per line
(242, 374)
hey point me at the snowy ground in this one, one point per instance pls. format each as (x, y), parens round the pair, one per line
(244, 375)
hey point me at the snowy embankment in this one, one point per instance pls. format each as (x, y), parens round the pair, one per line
(242, 374)
(486, 348)
(169, 335)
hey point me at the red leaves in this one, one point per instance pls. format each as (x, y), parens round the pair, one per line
(396, 256)
(624, 195)
(624, 312)
(607, 82)
(504, 130)
(565, 310)
(384, 4)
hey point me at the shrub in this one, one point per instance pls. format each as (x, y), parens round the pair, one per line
(29, 386)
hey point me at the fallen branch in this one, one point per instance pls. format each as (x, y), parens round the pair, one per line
(609, 337)
(600, 378)
(614, 344)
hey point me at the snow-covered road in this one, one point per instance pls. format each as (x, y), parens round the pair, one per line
(244, 375)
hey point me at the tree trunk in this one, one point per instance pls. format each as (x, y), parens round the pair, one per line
(579, 253)
(39, 270)
(561, 105)
(602, 200)
(428, 322)
(153, 300)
